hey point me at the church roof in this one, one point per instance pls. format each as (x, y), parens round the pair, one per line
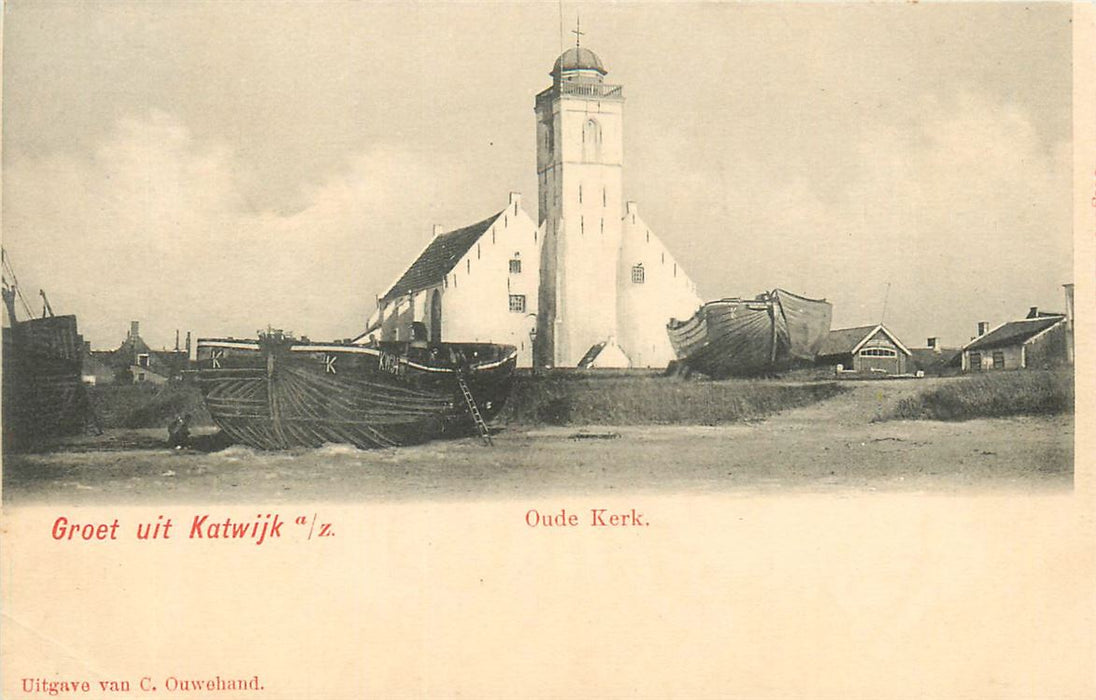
(578, 58)
(435, 262)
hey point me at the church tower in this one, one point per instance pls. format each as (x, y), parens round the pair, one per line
(580, 159)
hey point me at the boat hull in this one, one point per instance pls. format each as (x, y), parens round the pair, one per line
(749, 337)
(43, 393)
(283, 393)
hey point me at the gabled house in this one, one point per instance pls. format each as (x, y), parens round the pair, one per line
(865, 349)
(1041, 340)
(135, 362)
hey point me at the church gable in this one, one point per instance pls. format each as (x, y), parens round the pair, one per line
(652, 289)
(474, 284)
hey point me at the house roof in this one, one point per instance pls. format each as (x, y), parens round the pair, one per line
(842, 341)
(1014, 333)
(932, 359)
(438, 258)
(846, 341)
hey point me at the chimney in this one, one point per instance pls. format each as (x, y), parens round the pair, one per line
(931, 343)
(87, 347)
(188, 343)
(133, 326)
(1033, 312)
(438, 229)
(176, 340)
(983, 326)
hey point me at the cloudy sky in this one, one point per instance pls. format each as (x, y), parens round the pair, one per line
(219, 166)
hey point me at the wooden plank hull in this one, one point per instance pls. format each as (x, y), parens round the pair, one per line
(43, 393)
(745, 337)
(281, 393)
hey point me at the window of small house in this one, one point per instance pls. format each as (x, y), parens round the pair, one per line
(517, 303)
(878, 352)
(976, 361)
(638, 276)
(998, 359)
(142, 360)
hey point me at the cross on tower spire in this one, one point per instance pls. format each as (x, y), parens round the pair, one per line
(577, 31)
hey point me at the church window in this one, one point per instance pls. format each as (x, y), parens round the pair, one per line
(591, 141)
(515, 265)
(478, 246)
(638, 275)
(648, 235)
(468, 265)
(603, 197)
(580, 194)
(517, 303)
(663, 257)
(582, 224)
(675, 269)
(603, 225)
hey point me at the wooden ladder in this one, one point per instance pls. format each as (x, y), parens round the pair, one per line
(481, 426)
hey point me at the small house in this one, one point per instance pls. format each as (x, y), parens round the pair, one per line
(865, 350)
(135, 362)
(1041, 340)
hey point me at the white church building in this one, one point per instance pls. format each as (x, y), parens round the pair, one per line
(587, 283)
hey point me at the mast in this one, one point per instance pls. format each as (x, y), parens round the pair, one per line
(11, 288)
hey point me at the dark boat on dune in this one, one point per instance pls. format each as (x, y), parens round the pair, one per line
(279, 392)
(751, 337)
(43, 391)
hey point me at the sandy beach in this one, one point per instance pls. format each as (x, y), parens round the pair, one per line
(834, 446)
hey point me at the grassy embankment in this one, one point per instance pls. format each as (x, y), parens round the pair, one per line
(557, 398)
(616, 399)
(991, 395)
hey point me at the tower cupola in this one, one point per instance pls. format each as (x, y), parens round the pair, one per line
(579, 64)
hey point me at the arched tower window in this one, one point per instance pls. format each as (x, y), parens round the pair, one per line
(591, 141)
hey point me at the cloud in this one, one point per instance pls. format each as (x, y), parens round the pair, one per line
(153, 226)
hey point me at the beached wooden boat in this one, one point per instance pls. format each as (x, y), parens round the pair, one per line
(280, 392)
(43, 392)
(746, 337)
